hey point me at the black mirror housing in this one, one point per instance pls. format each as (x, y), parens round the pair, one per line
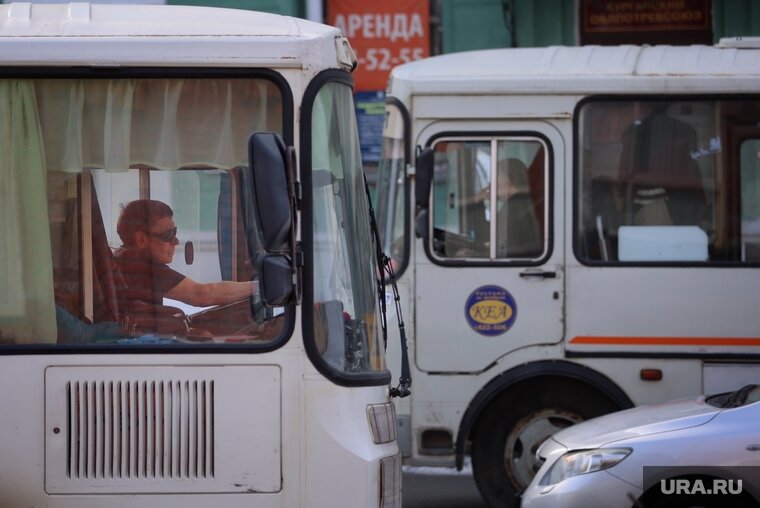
(423, 171)
(275, 280)
(271, 196)
(421, 224)
(269, 178)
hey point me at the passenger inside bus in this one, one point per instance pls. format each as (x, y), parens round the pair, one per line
(517, 233)
(149, 239)
(72, 330)
(517, 228)
(661, 181)
(656, 181)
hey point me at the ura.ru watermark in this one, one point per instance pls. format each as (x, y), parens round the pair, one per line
(704, 486)
(712, 486)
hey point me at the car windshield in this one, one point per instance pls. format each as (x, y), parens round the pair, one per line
(747, 394)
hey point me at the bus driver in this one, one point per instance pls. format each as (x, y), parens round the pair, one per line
(149, 238)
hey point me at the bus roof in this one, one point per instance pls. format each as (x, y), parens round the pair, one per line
(584, 69)
(161, 34)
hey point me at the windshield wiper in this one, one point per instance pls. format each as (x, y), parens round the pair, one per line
(739, 397)
(731, 399)
(385, 268)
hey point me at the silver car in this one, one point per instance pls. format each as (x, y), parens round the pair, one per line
(701, 452)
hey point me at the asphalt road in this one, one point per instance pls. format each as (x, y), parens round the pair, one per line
(427, 487)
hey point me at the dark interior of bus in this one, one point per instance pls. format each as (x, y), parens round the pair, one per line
(95, 295)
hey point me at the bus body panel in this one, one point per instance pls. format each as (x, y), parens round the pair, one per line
(248, 458)
(673, 316)
(164, 35)
(91, 427)
(454, 344)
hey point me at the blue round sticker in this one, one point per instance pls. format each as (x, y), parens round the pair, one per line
(490, 310)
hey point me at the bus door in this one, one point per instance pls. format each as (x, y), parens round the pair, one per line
(489, 277)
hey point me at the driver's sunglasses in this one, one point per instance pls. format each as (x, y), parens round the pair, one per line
(167, 236)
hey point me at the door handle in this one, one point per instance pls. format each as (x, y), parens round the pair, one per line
(538, 274)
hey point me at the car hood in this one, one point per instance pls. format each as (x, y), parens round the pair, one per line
(637, 422)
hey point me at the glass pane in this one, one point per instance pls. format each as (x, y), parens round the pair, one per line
(389, 209)
(480, 217)
(750, 196)
(346, 310)
(461, 190)
(144, 228)
(666, 180)
(520, 199)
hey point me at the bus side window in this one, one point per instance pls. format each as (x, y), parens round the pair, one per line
(656, 164)
(517, 226)
(661, 181)
(486, 207)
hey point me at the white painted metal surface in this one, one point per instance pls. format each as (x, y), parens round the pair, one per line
(613, 320)
(63, 34)
(559, 70)
(163, 429)
(262, 429)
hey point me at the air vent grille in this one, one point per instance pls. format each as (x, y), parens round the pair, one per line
(140, 429)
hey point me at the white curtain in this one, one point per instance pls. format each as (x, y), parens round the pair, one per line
(161, 123)
(67, 125)
(27, 314)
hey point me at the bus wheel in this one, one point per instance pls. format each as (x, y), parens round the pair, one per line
(506, 438)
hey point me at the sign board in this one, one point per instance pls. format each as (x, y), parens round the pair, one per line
(370, 116)
(383, 35)
(646, 22)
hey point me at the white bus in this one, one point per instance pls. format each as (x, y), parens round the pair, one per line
(580, 233)
(122, 394)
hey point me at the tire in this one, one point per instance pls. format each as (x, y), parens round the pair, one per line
(510, 430)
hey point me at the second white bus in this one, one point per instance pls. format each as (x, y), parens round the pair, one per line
(580, 233)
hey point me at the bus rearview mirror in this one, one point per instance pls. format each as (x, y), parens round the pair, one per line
(423, 177)
(268, 163)
(276, 280)
(270, 199)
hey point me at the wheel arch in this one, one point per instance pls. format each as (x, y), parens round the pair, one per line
(535, 370)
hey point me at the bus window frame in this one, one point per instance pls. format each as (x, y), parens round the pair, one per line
(336, 376)
(548, 196)
(288, 127)
(406, 120)
(577, 248)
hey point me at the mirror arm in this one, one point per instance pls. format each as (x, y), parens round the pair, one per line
(423, 175)
(295, 194)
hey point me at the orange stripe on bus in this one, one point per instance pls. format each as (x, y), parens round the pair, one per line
(666, 341)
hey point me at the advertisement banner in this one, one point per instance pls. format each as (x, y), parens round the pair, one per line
(369, 119)
(646, 22)
(383, 35)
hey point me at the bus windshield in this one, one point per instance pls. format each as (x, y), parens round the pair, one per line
(346, 310)
(390, 196)
(123, 222)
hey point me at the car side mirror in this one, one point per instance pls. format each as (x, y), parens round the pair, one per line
(270, 188)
